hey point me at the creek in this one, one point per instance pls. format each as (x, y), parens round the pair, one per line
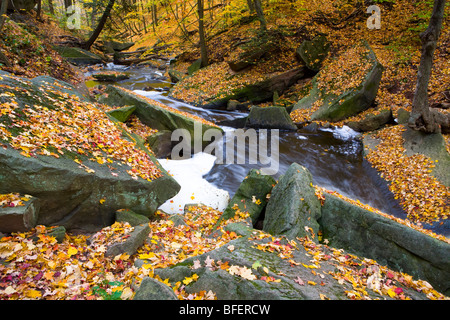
(333, 156)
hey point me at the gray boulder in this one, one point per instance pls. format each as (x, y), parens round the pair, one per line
(269, 118)
(152, 289)
(131, 244)
(20, 218)
(313, 52)
(255, 274)
(372, 122)
(251, 195)
(293, 206)
(161, 143)
(194, 67)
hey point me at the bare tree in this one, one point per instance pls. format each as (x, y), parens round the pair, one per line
(422, 117)
(87, 45)
(201, 31)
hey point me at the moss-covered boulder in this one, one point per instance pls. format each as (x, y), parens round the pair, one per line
(313, 52)
(161, 143)
(372, 122)
(78, 56)
(269, 118)
(152, 289)
(249, 56)
(345, 87)
(175, 73)
(195, 66)
(251, 196)
(122, 114)
(59, 147)
(134, 219)
(135, 239)
(432, 146)
(293, 208)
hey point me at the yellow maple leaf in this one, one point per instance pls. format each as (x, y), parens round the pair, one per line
(391, 293)
(33, 294)
(72, 251)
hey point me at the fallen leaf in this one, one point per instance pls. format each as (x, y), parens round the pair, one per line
(299, 281)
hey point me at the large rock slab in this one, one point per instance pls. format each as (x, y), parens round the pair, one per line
(155, 114)
(345, 87)
(78, 56)
(293, 208)
(375, 236)
(82, 194)
(244, 255)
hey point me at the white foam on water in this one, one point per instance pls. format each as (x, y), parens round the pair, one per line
(146, 93)
(114, 66)
(343, 133)
(194, 189)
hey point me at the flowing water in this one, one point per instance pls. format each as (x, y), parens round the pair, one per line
(334, 157)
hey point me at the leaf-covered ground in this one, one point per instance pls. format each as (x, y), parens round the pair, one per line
(33, 265)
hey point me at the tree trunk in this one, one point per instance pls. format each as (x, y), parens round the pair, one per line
(422, 117)
(67, 4)
(51, 8)
(201, 31)
(251, 6)
(87, 45)
(260, 14)
(39, 9)
(3, 7)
